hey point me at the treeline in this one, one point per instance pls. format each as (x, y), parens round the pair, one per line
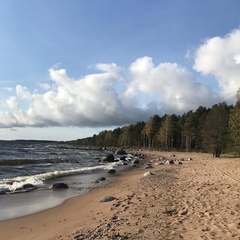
(215, 129)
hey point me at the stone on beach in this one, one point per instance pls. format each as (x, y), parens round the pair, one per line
(112, 171)
(58, 186)
(136, 161)
(120, 152)
(108, 158)
(100, 179)
(148, 166)
(148, 174)
(23, 189)
(107, 199)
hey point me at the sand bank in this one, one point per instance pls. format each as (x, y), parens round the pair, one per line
(198, 199)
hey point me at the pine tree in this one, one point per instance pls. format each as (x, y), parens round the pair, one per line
(215, 130)
(234, 124)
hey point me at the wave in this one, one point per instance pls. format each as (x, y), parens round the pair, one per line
(31, 182)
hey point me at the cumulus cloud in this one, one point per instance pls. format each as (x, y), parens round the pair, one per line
(220, 57)
(115, 96)
(171, 85)
(107, 98)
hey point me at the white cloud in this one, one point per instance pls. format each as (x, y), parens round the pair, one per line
(12, 103)
(23, 92)
(220, 57)
(169, 84)
(89, 101)
(109, 98)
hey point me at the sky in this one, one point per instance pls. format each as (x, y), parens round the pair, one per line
(72, 68)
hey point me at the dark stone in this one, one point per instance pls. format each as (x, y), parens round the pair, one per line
(136, 161)
(101, 179)
(123, 158)
(4, 191)
(28, 186)
(107, 199)
(112, 171)
(59, 186)
(120, 152)
(109, 158)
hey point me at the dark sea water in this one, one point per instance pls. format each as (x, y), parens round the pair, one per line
(29, 168)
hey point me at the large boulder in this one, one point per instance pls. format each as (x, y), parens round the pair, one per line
(108, 158)
(120, 152)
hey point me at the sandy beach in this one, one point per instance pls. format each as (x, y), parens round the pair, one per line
(198, 199)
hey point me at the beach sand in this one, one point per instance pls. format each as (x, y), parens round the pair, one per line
(198, 199)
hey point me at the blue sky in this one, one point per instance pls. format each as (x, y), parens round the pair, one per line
(69, 69)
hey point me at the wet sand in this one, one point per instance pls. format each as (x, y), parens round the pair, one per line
(198, 199)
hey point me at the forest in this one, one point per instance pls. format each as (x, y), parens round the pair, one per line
(213, 130)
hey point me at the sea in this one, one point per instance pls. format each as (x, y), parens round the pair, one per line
(29, 169)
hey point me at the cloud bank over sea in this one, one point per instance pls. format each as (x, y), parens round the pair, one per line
(114, 95)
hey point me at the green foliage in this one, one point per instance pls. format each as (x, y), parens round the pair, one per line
(234, 125)
(215, 130)
(165, 134)
(201, 130)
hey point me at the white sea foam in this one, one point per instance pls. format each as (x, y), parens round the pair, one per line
(9, 185)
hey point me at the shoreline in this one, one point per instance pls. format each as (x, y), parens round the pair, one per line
(63, 215)
(19, 204)
(198, 199)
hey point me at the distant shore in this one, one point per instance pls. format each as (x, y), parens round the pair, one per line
(198, 199)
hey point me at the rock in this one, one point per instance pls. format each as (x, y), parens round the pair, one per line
(108, 158)
(28, 186)
(147, 174)
(120, 152)
(57, 186)
(136, 161)
(158, 163)
(112, 171)
(123, 158)
(25, 188)
(148, 166)
(107, 199)
(101, 179)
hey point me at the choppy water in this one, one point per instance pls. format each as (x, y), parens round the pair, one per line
(33, 166)
(33, 163)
